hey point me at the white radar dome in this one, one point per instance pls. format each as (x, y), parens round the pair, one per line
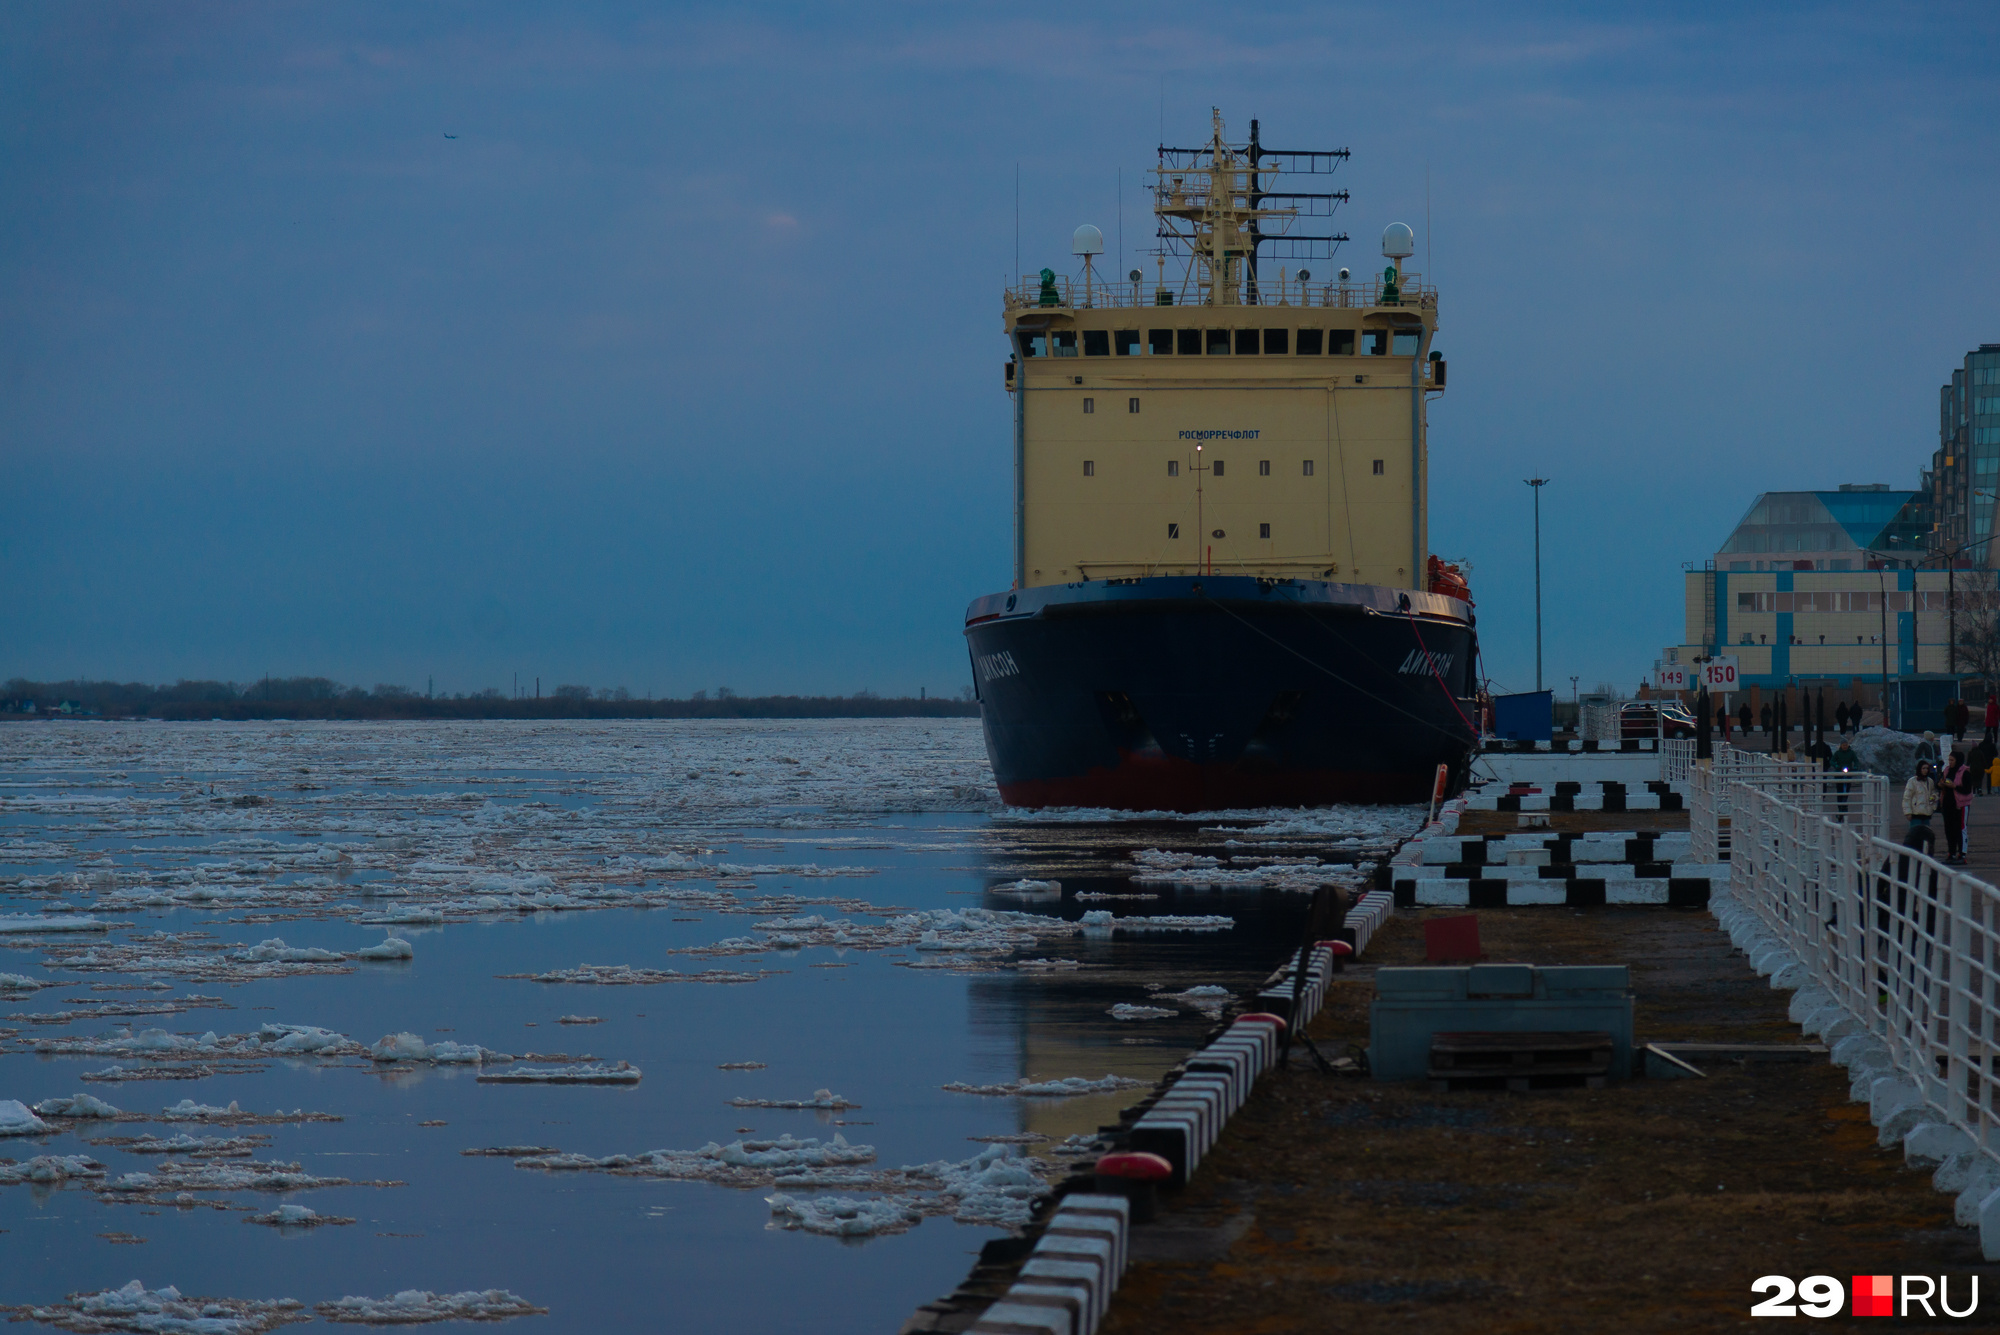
(1089, 241)
(1398, 241)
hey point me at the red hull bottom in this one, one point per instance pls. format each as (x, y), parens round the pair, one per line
(1166, 783)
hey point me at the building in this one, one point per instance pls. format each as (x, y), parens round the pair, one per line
(1965, 471)
(1853, 528)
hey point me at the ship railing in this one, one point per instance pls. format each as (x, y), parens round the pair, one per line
(1074, 294)
(1899, 946)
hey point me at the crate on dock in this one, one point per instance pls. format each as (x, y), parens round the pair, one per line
(1520, 1061)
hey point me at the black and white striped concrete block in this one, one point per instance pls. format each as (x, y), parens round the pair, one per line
(1628, 746)
(1065, 1286)
(1572, 795)
(1572, 891)
(1541, 849)
(1367, 916)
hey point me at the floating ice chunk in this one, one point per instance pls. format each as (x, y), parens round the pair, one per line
(414, 915)
(300, 1038)
(1029, 889)
(276, 951)
(1064, 1088)
(394, 948)
(578, 1019)
(624, 1073)
(23, 923)
(1209, 922)
(1208, 998)
(842, 1216)
(407, 1047)
(250, 1175)
(296, 1216)
(414, 1307)
(17, 1120)
(76, 1105)
(165, 1312)
(822, 1098)
(992, 1187)
(1126, 1011)
(14, 982)
(50, 1168)
(187, 1110)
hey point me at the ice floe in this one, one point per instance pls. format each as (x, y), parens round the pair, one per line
(822, 1099)
(17, 1120)
(164, 1312)
(624, 1073)
(171, 1177)
(1068, 1087)
(392, 948)
(407, 1047)
(21, 924)
(414, 1307)
(77, 1105)
(624, 975)
(1126, 1011)
(296, 1216)
(15, 982)
(50, 1168)
(842, 1216)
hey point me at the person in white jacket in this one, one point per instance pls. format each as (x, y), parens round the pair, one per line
(1920, 803)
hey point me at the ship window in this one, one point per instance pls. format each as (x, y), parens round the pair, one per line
(1309, 468)
(1187, 342)
(1090, 468)
(1216, 468)
(1066, 343)
(1096, 343)
(1246, 342)
(1263, 468)
(1173, 530)
(1263, 530)
(1090, 405)
(1375, 342)
(1310, 341)
(1378, 468)
(1275, 341)
(1340, 342)
(1131, 405)
(1407, 342)
(1033, 345)
(1160, 342)
(1218, 342)
(1173, 468)
(1126, 342)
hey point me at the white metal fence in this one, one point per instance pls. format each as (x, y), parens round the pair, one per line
(1860, 801)
(1906, 946)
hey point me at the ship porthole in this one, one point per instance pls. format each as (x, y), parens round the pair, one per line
(1010, 602)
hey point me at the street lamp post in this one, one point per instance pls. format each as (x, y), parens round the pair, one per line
(1537, 483)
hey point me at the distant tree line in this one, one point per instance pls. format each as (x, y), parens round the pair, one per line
(323, 698)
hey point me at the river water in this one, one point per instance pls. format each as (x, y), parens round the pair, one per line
(771, 911)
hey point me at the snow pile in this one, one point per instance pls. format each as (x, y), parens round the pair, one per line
(842, 1216)
(822, 1098)
(165, 1312)
(11, 923)
(76, 1105)
(624, 1073)
(1127, 1011)
(393, 948)
(275, 951)
(414, 1307)
(1046, 1089)
(296, 1216)
(50, 1168)
(16, 1120)
(1885, 751)
(407, 1047)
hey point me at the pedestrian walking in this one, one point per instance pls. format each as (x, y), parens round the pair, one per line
(1992, 710)
(1840, 716)
(1920, 801)
(1743, 717)
(1927, 749)
(1764, 716)
(1983, 756)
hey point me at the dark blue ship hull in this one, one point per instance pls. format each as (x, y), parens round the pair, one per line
(1188, 693)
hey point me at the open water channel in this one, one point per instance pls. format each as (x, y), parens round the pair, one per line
(830, 912)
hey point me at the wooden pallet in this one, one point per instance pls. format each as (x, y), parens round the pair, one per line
(1520, 1061)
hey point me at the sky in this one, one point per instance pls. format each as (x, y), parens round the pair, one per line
(660, 345)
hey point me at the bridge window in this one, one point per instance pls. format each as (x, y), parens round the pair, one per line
(1339, 342)
(1247, 342)
(1096, 343)
(1275, 341)
(1033, 345)
(1408, 341)
(1375, 341)
(1160, 342)
(1218, 342)
(1066, 343)
(1126, 341)
(1187, 342)
(1310, 342)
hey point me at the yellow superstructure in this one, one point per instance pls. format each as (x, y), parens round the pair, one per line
(1221, 419)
